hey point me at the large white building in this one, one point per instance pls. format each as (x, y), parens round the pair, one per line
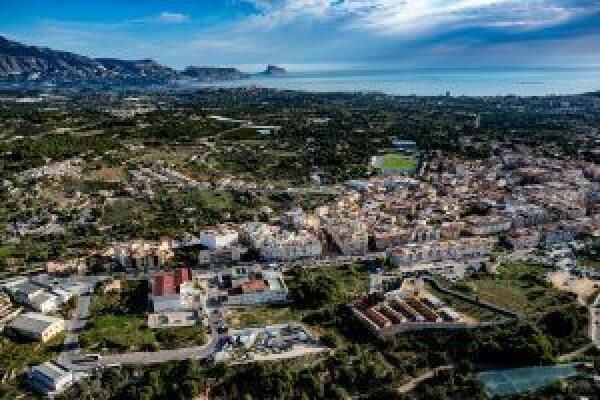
(219, 237)
(273, 243)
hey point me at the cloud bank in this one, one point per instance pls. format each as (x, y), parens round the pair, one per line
(351, 32)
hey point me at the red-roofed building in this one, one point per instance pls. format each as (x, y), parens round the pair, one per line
(167, 283)
(164, 284)
(257, 285)
(182, 275)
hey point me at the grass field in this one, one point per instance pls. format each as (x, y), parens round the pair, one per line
(396, 161)
(521, 287)
(118, 324)
(6, 251)
(117, 333)
(468, 309)
(263, 315)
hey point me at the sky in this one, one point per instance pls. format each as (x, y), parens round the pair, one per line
(315, 34)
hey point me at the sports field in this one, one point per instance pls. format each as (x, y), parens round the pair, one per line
(396, 161)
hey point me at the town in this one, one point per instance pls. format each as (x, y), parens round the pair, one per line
(220, 227)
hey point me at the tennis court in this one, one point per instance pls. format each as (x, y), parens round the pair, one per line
(520, 380)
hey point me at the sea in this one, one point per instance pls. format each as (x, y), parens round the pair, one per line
(500, 81)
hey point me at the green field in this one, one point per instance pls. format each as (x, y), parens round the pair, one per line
(396, 162)
(112, 333)
(521, 287)
(263, 315)
(118, 324)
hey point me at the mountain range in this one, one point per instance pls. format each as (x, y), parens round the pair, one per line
(19, 61)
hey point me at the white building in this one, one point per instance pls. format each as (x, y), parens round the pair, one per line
(253, 287)
(50, 378)
(460, 249)
(35, 297)
(273, 243)
(219, 238)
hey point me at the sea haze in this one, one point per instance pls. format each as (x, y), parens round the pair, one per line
(435, 81)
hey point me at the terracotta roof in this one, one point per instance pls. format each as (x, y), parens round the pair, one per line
(253, 286)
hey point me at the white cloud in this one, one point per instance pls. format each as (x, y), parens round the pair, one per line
(172, 18)
(415, 17)
(165, 17)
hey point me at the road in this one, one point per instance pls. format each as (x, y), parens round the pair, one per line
(595, 322)
(72, 358)
(410, 385)
(75, 325)
(413, 383)
(156, 357)
(574, 354)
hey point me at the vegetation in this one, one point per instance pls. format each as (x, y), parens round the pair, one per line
(118, 324)
(399, 162)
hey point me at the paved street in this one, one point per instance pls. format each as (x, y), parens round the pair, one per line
(76, 324)
(155, 357)
(595, 322)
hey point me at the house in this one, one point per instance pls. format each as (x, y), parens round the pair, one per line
(523, 238)
(140, 254)
(50, 378)
(554, 234)
(111, 286)
(7, 311)
(176, 291)
(37, 326)
(73, 266)
(45, 302)
(241, 286)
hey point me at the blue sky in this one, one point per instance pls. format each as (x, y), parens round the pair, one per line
(315, 34)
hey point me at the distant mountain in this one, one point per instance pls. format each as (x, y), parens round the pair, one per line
(214, 73)
(20, 62)
(274, 70)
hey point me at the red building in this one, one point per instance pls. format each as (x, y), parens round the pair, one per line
(166, 283)
(182, 275)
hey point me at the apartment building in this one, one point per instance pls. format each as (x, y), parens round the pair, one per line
(460, 249)
(286, 246)
(140, 254)
(274, 243)
(487, 225)
(351, 237)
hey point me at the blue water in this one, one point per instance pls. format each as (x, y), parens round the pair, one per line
(433, 82)
(520, 380)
